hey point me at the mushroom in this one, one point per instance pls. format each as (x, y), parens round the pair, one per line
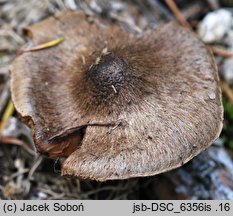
(113, 104)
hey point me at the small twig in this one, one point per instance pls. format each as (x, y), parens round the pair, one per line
(53, 194)
(228, 91)
(13, 141)
(16, 174)
(158, 6)
(35, 166)
(177, 13)
(9, 32)
(221, 52)
(78, 186)
(194, 10)
(4, 97)
(121, 19)
(97, 190)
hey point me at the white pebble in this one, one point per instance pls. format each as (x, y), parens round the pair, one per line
(215, 25)
(227, 70)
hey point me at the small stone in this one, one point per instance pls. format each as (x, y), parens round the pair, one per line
(227, 70)
(42, 195)
(215, 25)
(71, 4)
(118, 6)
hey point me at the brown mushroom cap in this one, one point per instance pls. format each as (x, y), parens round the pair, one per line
(116, 105)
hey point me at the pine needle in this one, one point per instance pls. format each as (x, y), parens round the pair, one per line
(228, 91)
(7, 114)
(13, 141)
(222, 52)
(45, 45)
(177, 13)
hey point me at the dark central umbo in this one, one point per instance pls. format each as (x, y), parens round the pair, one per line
(108, 74)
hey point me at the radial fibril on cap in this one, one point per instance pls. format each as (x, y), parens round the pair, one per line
(117, 106)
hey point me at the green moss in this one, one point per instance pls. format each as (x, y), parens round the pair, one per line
(227, 133)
